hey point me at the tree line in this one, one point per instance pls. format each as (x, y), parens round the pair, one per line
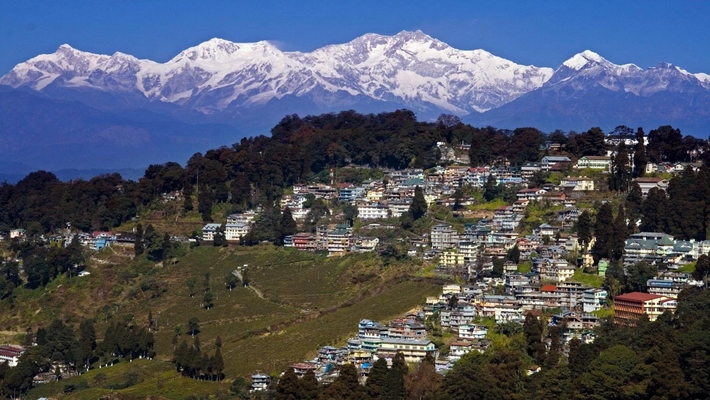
(60, 344)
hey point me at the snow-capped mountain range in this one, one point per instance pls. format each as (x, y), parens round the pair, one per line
(74, 102)
(410, 69)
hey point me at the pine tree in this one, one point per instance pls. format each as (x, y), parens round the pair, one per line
(640, 158)
(620, 234)
(204, 200)
(187, 203)
(490, 189)
(532, 329)
(231, 281)
(376, 379)
(345, 386)
(288, 224)
(154, 245)
(309, 387)
(76, 253)
(245, 278)
(603, 232)
(167, 247)
(207, 300)
(219, 239)
(87, 342)
(288, 387)
(584, 229)
(513, 254)
(633, 203)
(138, 245)
(193, 326)
(621, 173)
(702, 269)
(418, 208)
(654, 209)
(458, 196)
(218, 364)
(614, 279)
(394, 384)
(180, 356)
(637, 276)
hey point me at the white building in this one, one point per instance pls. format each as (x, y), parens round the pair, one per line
(10, 354)
(602, 163)
(577, 184)
(593, 300)
(245, 218)
(372, 210)
(443, 237)
(209, 230)
(234, 232)
(414, 351)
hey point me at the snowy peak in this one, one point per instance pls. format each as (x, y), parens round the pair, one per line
(589, 71)
(221, 51)
(581, 60)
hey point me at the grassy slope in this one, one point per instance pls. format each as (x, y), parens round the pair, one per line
(309, 300)
(154, 378)
(273, 352)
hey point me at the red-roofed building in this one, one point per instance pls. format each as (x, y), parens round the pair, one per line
(548, 288)
(302, 368)
(10, 354)
(631, 306)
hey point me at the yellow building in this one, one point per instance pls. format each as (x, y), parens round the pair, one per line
(451, 259)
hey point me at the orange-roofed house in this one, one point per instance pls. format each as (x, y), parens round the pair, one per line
(631, 306)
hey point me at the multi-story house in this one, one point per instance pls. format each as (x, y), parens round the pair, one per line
(340, 239)
(631, 306)
(549, 161)
(593, 300)
(602, 163)
(209, 230)
(234, 232)
(372, 210)
(443, 237)
(577, 184)
(648, 183)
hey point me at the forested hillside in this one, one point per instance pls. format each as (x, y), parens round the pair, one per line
(288, 302)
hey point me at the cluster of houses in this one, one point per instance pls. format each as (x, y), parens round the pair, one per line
(337, 240)
(658, 247)
(237, 226)
(374, 341)
(463, 311)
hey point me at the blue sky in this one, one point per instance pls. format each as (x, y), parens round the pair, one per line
(543, 33)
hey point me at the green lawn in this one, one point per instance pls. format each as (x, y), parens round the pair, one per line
(592, 280)
(525, 267)
(688, 268)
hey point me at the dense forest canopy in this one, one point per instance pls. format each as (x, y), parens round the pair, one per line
(257, 169)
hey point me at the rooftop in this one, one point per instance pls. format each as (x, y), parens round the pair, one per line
(637, 297)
